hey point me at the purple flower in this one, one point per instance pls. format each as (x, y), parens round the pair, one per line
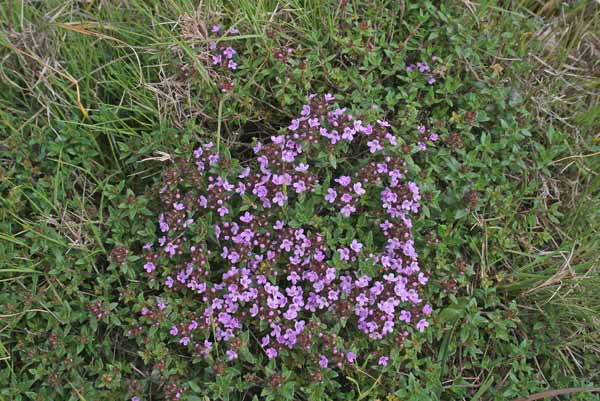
(359, 189)
(344, 253)
(169, 282)
(173, 331)
(331, 195)
(299, 187)
(215, 28)
(271, 353)
(313, 122)
(231, 354)
(356, 246)
(383, 361)
(405, 316)
(427, 309)
(178, 206)
(351, 356)
(135, 398)
(217, 59)
(288, 156)
(294, 125)
(222, 211)
(202, 201)
(323, 361)
(329, 97)
(164, 227)
(374, 146)
(343, 180)
(347, 210)
(247, 217)
(184, 341)
(301, 168)
(422, 324)
(232, 65)
(260, 191)
(149, 267)
(170, 248)
(229, 52)
(233, 30)
(348, 134)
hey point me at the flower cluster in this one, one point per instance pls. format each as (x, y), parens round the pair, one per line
(222, 56)
(235, 238)
(424, 68)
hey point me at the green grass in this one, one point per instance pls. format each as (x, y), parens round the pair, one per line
(91, 90)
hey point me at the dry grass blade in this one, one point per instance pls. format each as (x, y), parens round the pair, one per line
(82, 28)
(65, 75)
(554, 393)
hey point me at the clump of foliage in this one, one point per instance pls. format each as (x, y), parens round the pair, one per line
(291, 253)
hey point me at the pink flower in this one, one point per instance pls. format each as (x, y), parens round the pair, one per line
(299, 187)
(344, 253)
(331, 195)
(422, 324)
(356, 246)
(271, 353)
(359, 189)
(374, 146)
(247, 217)
(347, 210)
(294, 125)
(343, 180)
(149, 267)
(323, 361)
(301, 168)
(229, 52)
